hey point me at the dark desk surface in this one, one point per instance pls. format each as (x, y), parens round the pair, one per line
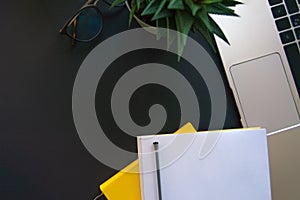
(41, 155)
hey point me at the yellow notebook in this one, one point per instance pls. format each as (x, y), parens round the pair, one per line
(126, 183)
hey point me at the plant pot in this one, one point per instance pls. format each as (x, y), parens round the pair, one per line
(147, 27)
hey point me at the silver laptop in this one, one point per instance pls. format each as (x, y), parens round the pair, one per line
(262, 63)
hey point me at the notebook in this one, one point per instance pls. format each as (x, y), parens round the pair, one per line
(214, 165)
(262, 62)
(126, 183)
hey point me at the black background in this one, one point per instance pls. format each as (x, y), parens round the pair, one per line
(41, 155)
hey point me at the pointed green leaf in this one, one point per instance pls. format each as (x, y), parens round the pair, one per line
(132, 11)
(138, 4)
(169, 24)
(160, 12)
(211, 25)
(193, 6)
(220, 9)
(203, 16)
(201, 28)
(168, 33)
(163, 14)
(211, 1)
(184, 23)
(176, 4)
(160, 31)
(230, 2)
(151, 8)
(117, 2)
(217, 30)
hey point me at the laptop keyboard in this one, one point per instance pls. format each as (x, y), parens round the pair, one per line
(287, 18)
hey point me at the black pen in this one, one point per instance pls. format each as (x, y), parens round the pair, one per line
(155, 144)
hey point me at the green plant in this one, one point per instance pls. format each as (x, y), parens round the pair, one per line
(184, 16)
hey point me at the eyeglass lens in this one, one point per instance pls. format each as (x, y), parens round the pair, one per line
(86, 25)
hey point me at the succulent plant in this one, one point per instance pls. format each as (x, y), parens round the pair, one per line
(184, 16)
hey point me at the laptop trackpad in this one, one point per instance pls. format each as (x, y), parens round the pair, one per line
(264, 93)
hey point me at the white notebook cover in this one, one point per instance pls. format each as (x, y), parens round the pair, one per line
(217, 165)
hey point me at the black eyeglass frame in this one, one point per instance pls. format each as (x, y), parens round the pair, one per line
(89, 4)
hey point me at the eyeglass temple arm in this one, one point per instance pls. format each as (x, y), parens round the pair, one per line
(88, 2)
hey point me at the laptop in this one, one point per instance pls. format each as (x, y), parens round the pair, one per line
(262, 62)
(262, 65)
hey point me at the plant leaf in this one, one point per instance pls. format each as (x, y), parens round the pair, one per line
(160, 12)
(200, 26)
(176, 4)
(217, 30)
(160, 31)
(184, 22)
(163, 14)
(193, 6)
(116, 2)
(151, 8)
(170, 25)
(211, 1)
(132, 11)
(138, 4)
(211, 25)
(220, 9)
(230, 3)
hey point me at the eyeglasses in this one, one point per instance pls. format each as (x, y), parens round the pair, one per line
(87, 23)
